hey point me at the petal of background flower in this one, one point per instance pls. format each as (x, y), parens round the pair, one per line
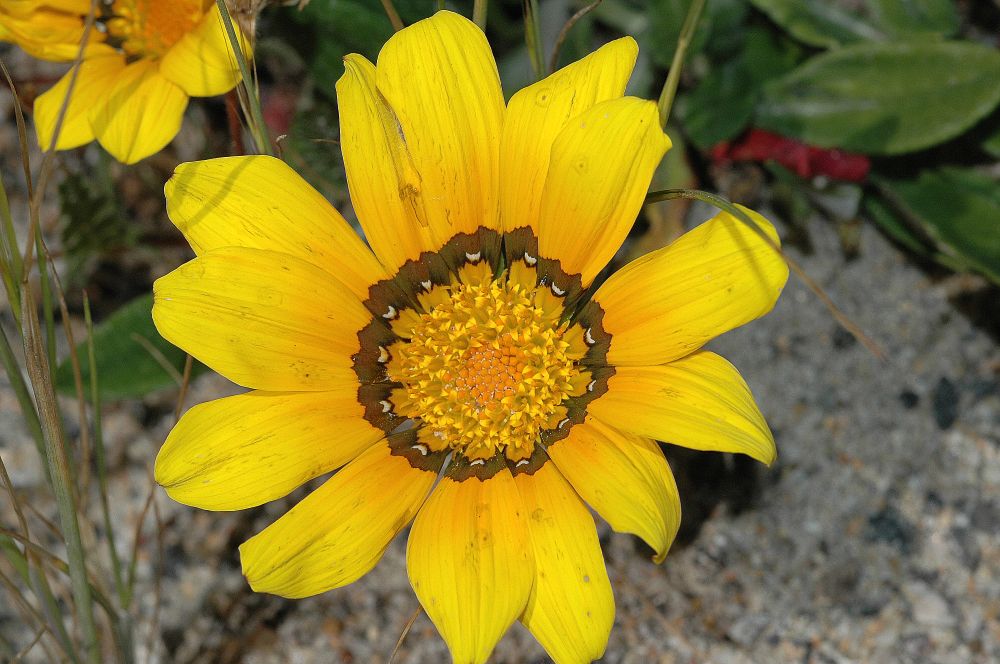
(260, 202)
(339, 531)
(246, 450)
(140, 115)
(699, 401)
(602, 163)
(470, 562)
(625, 478)
(669, 302)
(97, 77)
(536, 115)
(381, 177)
(571, 608)
(262, 319)
(439, 78)
(203, 62)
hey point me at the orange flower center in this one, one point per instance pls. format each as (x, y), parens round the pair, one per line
(148, 28)
(487, 365)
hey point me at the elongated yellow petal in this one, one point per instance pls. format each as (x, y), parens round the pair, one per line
(243, 451)
(440, 80)
(602, 163)
(571, 608)
(262, 319)
(699, 401)
(94, 83)
(470, 562)
(670, 302)
(340, 531)
(625, 478)
(203, 62)
(259, 202)
(381, 176)
(536, 115)
(141, 114)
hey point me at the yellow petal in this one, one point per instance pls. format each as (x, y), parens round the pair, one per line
(46, 32)
(699, 401)
(624, 478)
(339, 531)
(670, 302)
(470, 562)
(243, 451)
(571, 607)
(440, 80)
(141, 114)
(259, 202)
(536, 115)
(382, 179)
(601, 167)
(203, 62)
(262, 319)
(94, 83)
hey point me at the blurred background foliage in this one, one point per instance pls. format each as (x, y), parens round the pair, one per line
(844, 110)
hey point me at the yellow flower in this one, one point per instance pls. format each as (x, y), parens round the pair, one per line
(46, 29)
(147, 59)
(462, 373)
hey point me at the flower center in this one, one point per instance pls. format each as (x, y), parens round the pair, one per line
(482, 350)
(486, 366)
(148, 28)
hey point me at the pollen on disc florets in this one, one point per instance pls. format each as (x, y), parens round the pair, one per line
(148, 28)
(486, 367)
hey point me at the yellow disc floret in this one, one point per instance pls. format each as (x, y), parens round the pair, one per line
(148, 28)
(486, 366)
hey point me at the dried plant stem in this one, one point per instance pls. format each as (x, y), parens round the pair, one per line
(257, 126)
(402, 635)
(59, 468)
(666, 101)
(390, 11)
(479, 13)
(99, 455)
(533, 38)
(22, 393)
(564, 33)
(722, 204)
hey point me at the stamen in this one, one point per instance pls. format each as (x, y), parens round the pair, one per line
(487, 368)
(148, 28)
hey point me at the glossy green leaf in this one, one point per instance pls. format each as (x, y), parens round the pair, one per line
(130, 354)
(722, 104)
(884, 98)
(828, 24)
(957, 209)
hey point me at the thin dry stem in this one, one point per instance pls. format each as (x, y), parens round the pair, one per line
(402, 636)
(390, 11)
(564, 33)
(843, 319)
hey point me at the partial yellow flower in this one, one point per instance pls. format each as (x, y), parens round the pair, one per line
(463, 372)
(149, 57)
(47, 29)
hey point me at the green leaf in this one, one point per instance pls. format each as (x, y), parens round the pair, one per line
(718, 29)
(130, 355)
(884, 98)
(722, 104)
(958, 209)
(829, 24)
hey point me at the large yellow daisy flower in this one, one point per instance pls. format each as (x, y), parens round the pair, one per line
(462, 371)
(148, 57)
